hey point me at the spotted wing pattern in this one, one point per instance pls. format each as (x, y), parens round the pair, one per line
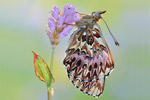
(88, 60)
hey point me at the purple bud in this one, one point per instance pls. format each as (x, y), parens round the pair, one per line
(69, 10)
(60, 23)
(66, 31)
(49, 33)
(76, 17)
(51, 25)
(51, 19)
(55, 15)
(67, 6)
(72, 10)
(69, 20)
(61, 20)
(56, 9)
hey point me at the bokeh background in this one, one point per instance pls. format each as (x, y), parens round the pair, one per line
(22, 30)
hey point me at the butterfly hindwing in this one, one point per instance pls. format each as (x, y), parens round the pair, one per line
(88, 60)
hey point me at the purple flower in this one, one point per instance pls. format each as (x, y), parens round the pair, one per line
(65, 31)
(61, 23)
(56, 9)
(55, 15)
(69, 10)
(71, 19)
(51, 24)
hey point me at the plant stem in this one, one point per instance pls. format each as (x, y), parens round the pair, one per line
(48, 94)
(52, 58)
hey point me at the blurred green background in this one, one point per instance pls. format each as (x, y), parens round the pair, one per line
(22, 30)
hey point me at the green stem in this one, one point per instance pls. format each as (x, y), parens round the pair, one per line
(48, 94)
(52, 58)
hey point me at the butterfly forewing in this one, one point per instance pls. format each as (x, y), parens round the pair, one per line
(88, 60)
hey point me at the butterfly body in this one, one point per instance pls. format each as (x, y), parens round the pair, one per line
(88, 58)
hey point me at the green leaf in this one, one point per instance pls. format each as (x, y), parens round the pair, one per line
(42, 70)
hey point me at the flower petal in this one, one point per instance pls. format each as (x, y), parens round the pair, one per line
(70, 14)
(69, 20)
(69, 10)
(76, 17)
(56, 9)
(55, 15)
(61, 21)
(52, 20)
(72, 10)
(49, 34)
(66, 31)
(67, 6)
(51, 25)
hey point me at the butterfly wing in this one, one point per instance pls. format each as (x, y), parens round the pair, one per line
(88, 60)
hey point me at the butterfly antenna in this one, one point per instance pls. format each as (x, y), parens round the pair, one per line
(116, 42)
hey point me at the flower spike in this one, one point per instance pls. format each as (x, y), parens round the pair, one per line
(60, 24)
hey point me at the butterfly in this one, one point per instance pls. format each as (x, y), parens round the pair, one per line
(88, 58)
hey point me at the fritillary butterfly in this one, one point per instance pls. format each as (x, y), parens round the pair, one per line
(88, 58)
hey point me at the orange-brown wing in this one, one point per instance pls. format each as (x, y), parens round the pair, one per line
(88, 60)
